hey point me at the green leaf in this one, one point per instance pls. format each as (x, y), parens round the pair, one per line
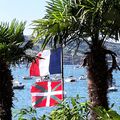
(73, 101)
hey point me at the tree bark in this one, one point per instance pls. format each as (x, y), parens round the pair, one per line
(6, 92)
(97, 79)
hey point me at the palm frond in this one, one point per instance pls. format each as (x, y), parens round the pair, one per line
(11, 40)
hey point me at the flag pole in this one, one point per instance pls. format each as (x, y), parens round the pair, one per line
(62, 70)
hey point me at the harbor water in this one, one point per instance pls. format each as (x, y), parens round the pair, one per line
(22, 98)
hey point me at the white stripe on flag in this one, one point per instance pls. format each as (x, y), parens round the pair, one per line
(44, 63)
(48, 96)
(46, 93)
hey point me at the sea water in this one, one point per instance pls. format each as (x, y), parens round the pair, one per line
(22, 98)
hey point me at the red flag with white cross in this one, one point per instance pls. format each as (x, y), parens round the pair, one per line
(47, 93)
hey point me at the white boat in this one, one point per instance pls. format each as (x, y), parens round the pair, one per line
(70, 79)
(49, 78)
(112, 88)
(43, 78)
(17, 85)
(83, 77)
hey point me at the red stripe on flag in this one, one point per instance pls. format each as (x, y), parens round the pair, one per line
(34, 68)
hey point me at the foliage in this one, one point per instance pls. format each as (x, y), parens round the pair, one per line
(106, 115)
(76, 20)
(56, 24)
(24, 114)
(13, 46)
(12, 42)
(69, 109)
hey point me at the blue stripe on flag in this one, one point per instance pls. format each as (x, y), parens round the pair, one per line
(55, 61)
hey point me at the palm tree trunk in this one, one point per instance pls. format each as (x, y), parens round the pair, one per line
(97, 79)
(6, 92)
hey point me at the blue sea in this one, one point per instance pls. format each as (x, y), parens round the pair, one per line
(22, 98)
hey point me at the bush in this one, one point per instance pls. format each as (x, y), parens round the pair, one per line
(69, 109)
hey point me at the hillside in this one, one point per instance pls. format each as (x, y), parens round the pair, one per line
(78, 58)
(70, 58)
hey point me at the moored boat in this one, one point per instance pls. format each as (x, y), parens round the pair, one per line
(112, 86)
(112, 89)
(70, 79)
(27, 77)
(18, 85)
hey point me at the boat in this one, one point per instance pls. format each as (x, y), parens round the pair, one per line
(70, 79)
(112, 86)
(27, 77)
(83, 77)
(112, 89)
(18, 85)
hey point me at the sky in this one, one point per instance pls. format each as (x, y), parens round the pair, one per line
(22, 10)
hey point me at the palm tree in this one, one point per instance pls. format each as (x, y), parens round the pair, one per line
(74, 21)
(12, 52)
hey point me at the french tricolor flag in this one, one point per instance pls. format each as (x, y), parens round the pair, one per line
(47, 62)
